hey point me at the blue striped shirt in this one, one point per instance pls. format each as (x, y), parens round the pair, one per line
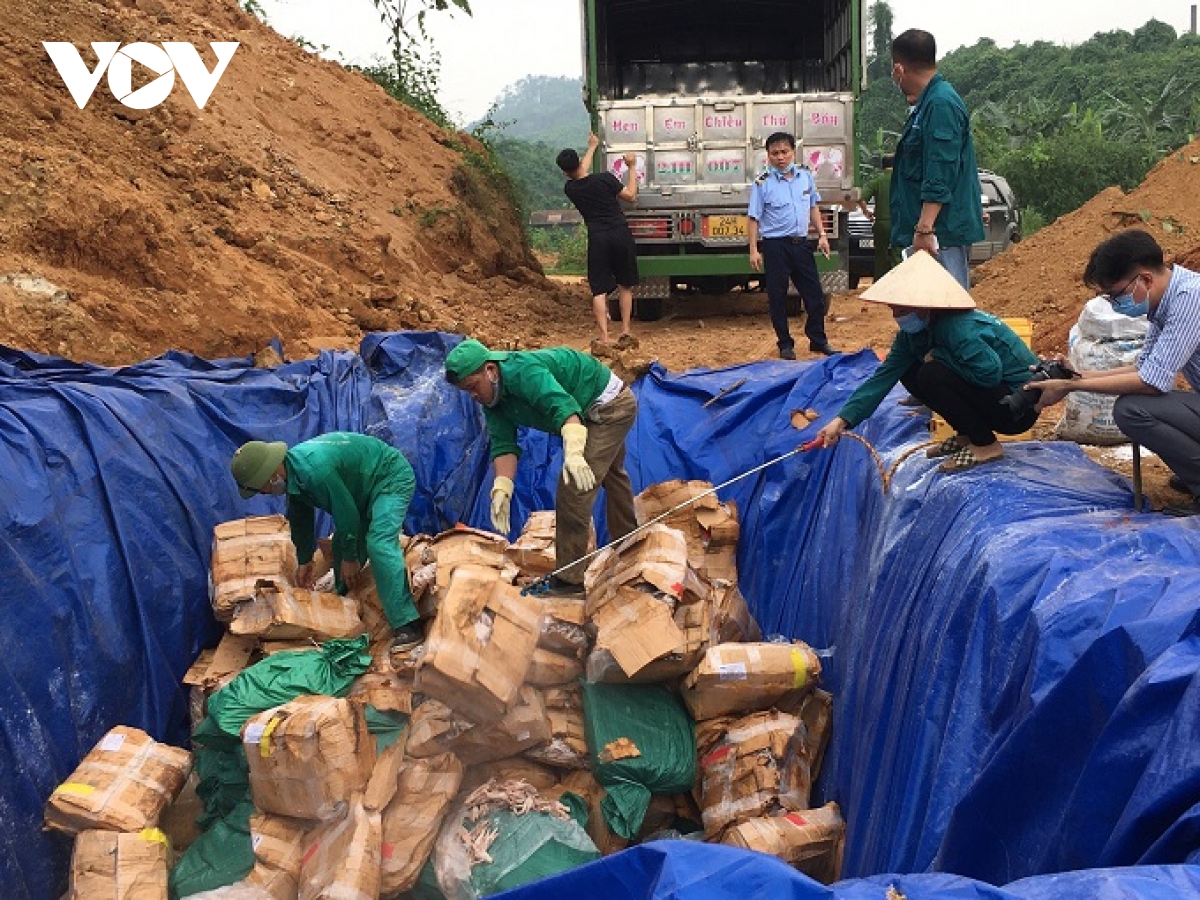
(1173, 339)
(781, 205)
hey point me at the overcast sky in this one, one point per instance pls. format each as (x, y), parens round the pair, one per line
(505, 40)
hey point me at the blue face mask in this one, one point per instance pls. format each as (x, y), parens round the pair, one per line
(912, 323)
(1127, 306)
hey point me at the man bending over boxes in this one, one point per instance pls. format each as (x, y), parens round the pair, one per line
(366, 486)
(560, 391)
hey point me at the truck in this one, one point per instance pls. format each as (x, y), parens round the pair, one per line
(694, 88)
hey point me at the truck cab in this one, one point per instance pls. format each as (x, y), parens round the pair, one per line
(693, 89)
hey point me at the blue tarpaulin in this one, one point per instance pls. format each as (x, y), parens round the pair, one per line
(1012, 651)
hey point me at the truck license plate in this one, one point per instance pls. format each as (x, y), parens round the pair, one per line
(867, 243)
(725, 226)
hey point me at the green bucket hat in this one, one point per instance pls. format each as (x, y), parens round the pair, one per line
(254, 463)
(467, 358)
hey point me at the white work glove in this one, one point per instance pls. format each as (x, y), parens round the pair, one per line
(574, 437)
(502, 491)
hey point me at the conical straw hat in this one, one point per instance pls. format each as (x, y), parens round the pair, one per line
(921, 282)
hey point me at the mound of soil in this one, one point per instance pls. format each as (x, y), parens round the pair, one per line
(302, 202)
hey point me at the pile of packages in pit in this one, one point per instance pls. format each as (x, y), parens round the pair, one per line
(529, 734)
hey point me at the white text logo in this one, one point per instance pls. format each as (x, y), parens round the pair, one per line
(165, 61)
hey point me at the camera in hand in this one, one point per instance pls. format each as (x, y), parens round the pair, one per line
(1021, 401)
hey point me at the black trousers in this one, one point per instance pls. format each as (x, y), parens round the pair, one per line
(1167, 424)
(970, 409)
(786, 260)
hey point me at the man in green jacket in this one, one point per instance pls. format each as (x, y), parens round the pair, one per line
(958, 361)
(560, 391)
(935, 200)
(879, 189)
(366, 485)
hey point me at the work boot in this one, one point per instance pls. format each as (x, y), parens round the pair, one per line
(407, 636)
(1176, 483)
(559, 588)
(787, 353)
(824, 349)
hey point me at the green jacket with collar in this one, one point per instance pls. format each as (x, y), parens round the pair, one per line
(977, 346)
(542, 389)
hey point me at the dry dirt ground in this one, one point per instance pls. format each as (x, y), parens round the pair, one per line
(303, 203)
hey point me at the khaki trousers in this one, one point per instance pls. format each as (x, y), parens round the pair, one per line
(605, 452)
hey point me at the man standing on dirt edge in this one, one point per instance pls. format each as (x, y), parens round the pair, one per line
(611, 253)
(557, 390)
(935, 199)
(783, 205)
(366, 485)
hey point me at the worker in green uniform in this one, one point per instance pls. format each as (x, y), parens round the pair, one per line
(560, 391)
(879, 189)
(366, 485)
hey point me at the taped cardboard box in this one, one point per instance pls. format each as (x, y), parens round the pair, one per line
(478, 651)
(278, 844)
(567, 745)
(386, 691)
(651, 612)
(534, 551)
(812, 841)
(308, 757)
(563, 626)
(425, 789)
(709, 525)
(244, 552)
(110, 865)
(737, 678)
(435, 728)
(341, 857)
(759, 768)
(815, 710)
(281, 613)
(123, 784)
(547, 668)
(732, 619)
(213, 669)
(462, 546)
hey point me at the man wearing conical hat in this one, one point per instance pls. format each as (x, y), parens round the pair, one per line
(957, 360)
(366, 485)
(560, 391)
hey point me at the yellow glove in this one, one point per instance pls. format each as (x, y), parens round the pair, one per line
(502, 491)
(574, 437)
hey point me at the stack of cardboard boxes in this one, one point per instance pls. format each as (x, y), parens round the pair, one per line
(493, 699)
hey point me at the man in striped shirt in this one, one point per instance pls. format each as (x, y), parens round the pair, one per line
(1129, 269)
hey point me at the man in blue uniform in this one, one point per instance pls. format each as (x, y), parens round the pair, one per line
(783, 206)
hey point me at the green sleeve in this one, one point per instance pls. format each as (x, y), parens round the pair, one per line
(502, 432)
(867, 397)
(302, 522)
(942, 138)
(541, 390)
(347, 526)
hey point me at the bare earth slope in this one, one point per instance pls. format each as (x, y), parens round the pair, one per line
(300, 202)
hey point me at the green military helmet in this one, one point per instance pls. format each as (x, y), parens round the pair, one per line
(467, 358)
(254, 463)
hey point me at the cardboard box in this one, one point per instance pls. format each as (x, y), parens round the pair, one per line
(341, 857)
(386, 691)
(563, 626)
(435, 728)
(244, 552)
(213, 669)
(651, 612)
(534, 551)
(811, 841)
(733, 623)
(759, 768)
(547, 668)
(738, 678)
(425, 789)
(478, 651)
(308, 757)
(278, 844)
(462, 546)
(709, 525)
(282, 613)
(123, 784)
(110, 865)
(567, 746)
